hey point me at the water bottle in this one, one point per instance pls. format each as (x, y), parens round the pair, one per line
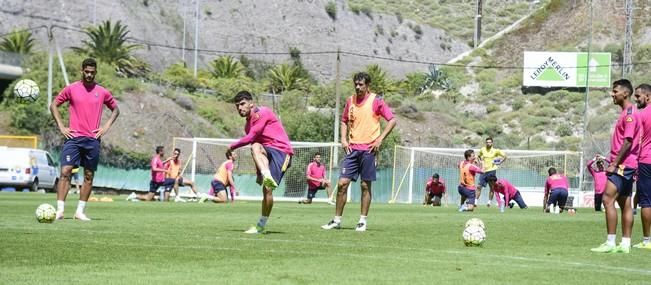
(162, 195)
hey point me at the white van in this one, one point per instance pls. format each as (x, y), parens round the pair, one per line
(27, 168)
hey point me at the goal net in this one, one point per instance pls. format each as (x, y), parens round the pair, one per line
(526, 170)
(205, 155)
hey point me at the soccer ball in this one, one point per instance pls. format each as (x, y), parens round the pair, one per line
(26, 90)
(474, 236)
(475, 222)
(45, 213)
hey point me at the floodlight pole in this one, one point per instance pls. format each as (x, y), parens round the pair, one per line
(585, 103)
(627, 67)
(337, 99)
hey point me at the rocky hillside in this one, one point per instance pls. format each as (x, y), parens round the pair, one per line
(243, 26)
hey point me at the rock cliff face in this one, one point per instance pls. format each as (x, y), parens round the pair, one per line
(265, 30)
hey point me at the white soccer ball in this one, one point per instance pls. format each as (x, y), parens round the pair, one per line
(474, 236)
(476, 222)
(46, 213)
(26, 90)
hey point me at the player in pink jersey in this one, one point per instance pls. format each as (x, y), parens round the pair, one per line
(600, 179)
(361, 138)
(643, 193)
(624, 151)
(222, 181)
(158, 173)
(316, 180)
(508, 192)
(86, 100)
(556, 191)
(434, 191)
(270, 149)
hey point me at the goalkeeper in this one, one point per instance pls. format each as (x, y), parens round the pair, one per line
(490, 158)
(434, 191)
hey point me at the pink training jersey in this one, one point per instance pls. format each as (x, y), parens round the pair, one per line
(317, 171)
(626, 127)
(380, 108)
(599, 177)
(156, 163)
(263, 127)
(505, 188)
(556, 181)
(85, 107)
(645, 138)
(433, 188)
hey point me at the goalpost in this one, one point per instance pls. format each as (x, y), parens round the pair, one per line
(205, 155)
(527, 170)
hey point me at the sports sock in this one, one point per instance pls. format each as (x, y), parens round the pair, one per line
(263, 221)
(81, 207)
(646, 240)
(362, 219)
(60, 206)
(337, 219)
(610, 240)
(265, 173)
(626, 242)
(211, 197)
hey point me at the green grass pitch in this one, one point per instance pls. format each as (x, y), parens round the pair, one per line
(189, 243)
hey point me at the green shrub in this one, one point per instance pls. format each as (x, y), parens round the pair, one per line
(331, 10)
(564, 130)
(518, 103)
(492, 108)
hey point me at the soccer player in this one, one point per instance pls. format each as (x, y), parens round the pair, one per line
(223, 178)
(83, 134)
(316, 180)
(434, 191)
(361, 138)
(643, 193)
(173, 164)
(467, 170)
(508, 191)
(556, 187)
(270, 149)
(490, 158)
(624, 150)
(158, 172)
(599, 177)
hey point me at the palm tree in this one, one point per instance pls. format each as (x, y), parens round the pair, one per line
(284, 77)
(380, 83)
(108, 43)
(20, 42)
(226, 67)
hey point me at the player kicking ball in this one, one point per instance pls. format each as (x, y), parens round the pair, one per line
(270, 149)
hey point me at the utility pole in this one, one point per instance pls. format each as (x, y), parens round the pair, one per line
(477, 35)
(196, 35)
(627, 67)
(50, 59)
(337, 95)
(183, 15)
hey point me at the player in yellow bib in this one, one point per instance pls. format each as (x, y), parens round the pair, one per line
(490, 158)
